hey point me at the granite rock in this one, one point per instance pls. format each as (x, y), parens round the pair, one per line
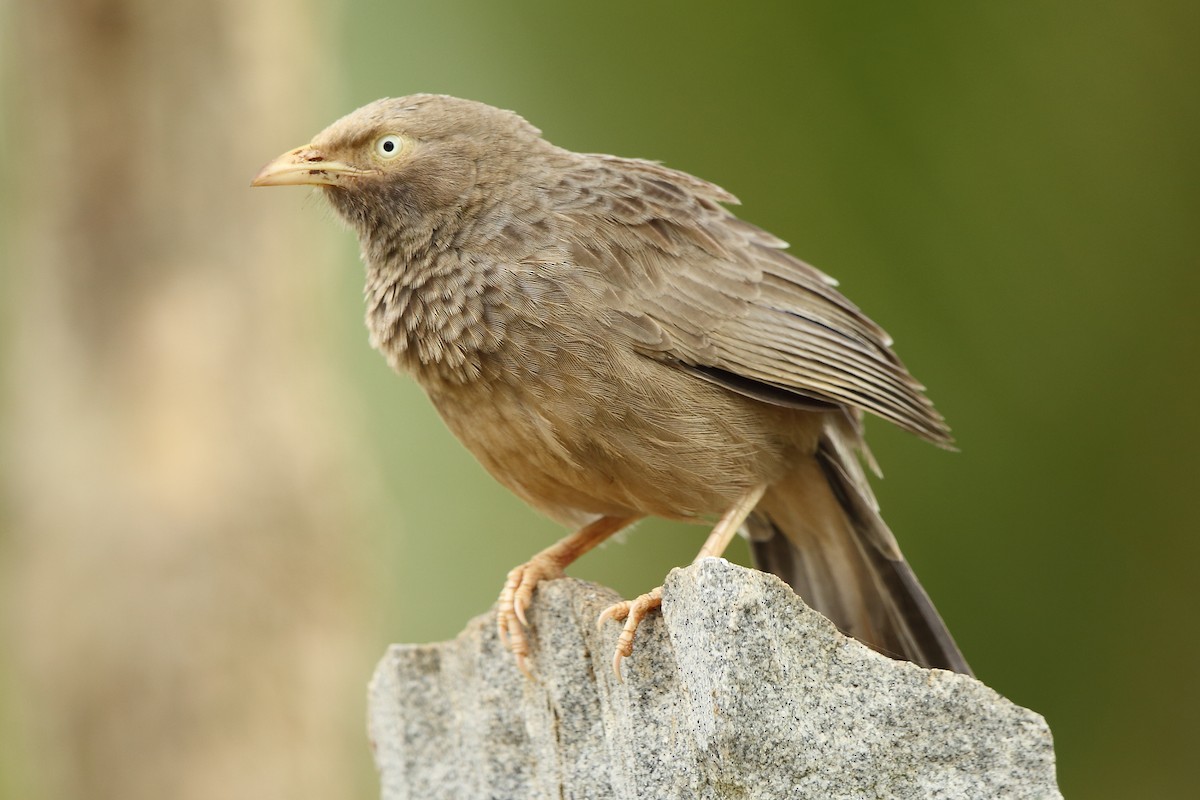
(737, 690)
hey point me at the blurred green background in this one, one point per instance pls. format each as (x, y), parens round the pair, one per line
(1011, 189)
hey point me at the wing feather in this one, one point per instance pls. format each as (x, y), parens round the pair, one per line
(697, 287)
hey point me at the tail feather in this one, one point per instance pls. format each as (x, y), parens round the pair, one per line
(821, 532)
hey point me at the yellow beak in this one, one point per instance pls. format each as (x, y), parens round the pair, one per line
(305, 166)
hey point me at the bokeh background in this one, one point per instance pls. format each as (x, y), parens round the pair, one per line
(219, 506)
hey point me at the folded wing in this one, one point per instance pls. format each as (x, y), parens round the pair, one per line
(700, 289)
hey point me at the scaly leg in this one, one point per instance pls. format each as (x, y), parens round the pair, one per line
(634, 611)
(546, 565)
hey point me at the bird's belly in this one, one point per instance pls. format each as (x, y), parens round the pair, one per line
(617, 435)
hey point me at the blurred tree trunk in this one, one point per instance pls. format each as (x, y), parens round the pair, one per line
(180, 586)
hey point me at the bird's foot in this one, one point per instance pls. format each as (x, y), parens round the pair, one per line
(515, 600)
(633, 612)
(546, 565)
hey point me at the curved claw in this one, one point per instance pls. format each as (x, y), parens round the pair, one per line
(633, 612)
(523, 597)
(524, 667)
(515, 599)
(617, 611)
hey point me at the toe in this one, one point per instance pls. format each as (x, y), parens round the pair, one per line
(504, 609)
(523, 596)
(617, 611)
(515, 600)
(633, 612)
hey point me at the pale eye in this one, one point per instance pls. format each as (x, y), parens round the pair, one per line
(389, 146)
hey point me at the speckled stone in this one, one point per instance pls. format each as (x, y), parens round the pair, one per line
(738, 690)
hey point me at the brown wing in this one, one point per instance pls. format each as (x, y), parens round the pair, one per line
(700, 288)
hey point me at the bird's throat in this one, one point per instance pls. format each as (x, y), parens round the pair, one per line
(427, 313)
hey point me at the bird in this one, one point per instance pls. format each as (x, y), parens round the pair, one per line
(612, 343)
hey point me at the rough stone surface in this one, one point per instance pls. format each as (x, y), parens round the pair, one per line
(738, 690)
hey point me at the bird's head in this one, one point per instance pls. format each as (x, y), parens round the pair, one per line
(416, 155)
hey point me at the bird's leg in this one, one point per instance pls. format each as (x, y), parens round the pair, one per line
(546, 565)
(722, 534)
(634, 611)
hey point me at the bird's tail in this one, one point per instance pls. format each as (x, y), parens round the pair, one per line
(819, 529)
